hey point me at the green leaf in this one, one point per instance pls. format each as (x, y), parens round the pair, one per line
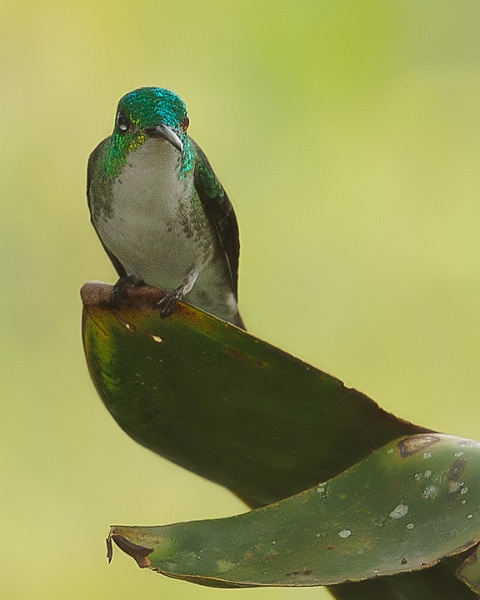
(405, 507)
(224, 404)
(436, 583)
(240, 412)
(469, 572)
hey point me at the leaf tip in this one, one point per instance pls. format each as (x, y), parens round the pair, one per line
(109, 548)
(137, 552)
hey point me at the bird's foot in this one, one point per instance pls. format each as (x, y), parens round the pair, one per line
(117, 295)
(168, 303)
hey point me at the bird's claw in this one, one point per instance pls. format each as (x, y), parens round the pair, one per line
(117, 295)
(168, 303)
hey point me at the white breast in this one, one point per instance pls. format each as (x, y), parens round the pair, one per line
(146, 229)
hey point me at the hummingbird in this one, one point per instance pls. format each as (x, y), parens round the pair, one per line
(159, 210)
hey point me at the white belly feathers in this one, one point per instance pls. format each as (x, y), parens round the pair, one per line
(146, 230)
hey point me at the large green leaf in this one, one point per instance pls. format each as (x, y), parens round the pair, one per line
(236, 410)
(224, 404)
(411, 503)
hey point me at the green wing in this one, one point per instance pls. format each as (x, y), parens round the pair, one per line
(97, 157)
(218, 207)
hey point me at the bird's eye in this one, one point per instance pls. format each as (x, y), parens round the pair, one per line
(123, 123)
(185, 123)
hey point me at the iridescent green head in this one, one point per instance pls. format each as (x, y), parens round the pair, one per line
(150, 112)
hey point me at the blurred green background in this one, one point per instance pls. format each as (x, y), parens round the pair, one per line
(347, 136)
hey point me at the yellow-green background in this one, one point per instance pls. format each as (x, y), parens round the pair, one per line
(347, 136)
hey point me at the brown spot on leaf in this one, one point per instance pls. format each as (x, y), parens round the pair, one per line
(247, 358)
(416, 443)
(308, 571)
(269, 557)
(454, 473)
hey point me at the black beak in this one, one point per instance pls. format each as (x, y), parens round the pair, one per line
(167, 133)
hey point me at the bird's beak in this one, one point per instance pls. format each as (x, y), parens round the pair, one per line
(167, 133)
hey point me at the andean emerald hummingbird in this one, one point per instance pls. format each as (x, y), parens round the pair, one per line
(161, 214)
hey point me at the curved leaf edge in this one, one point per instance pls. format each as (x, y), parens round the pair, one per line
(129, 539)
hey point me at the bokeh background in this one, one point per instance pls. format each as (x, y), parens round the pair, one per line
(347, 136)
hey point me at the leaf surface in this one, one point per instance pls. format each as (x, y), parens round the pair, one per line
(224, 404)
(244, 414)
(404, 508)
